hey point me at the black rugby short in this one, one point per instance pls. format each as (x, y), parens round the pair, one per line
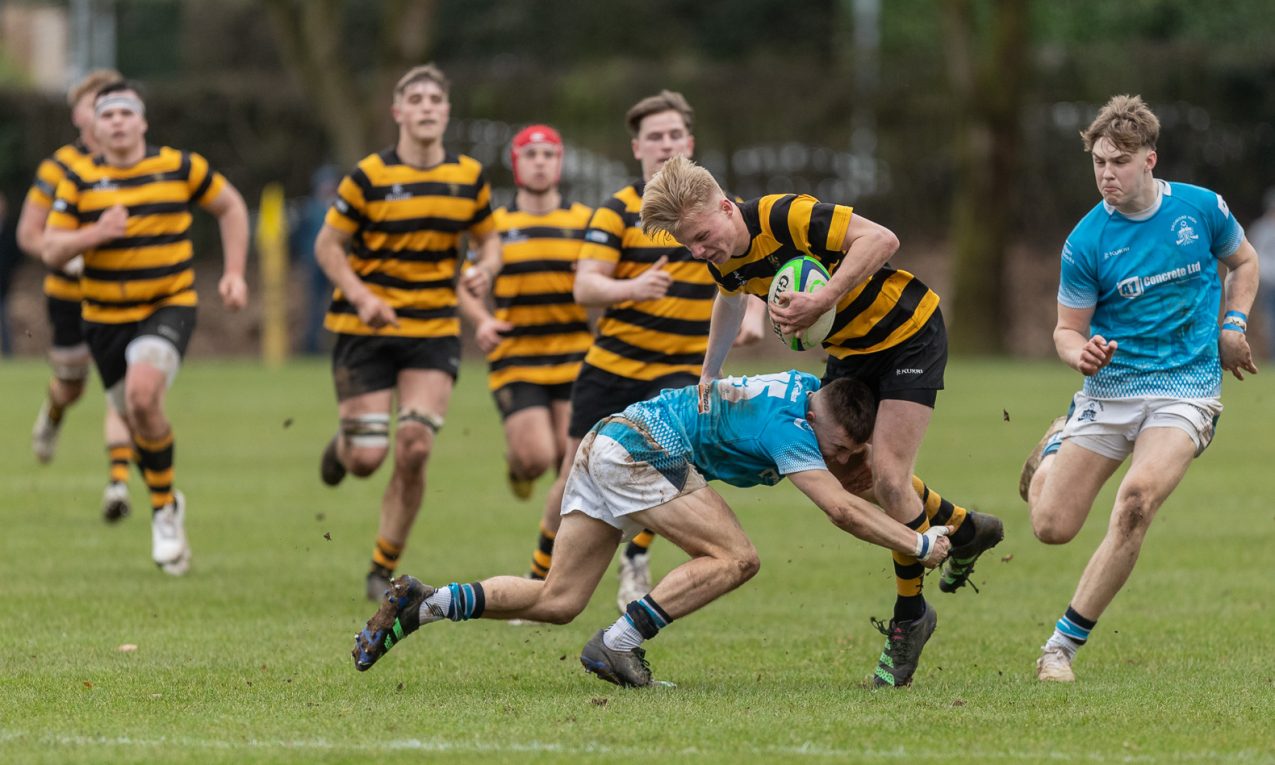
(516, 396)
(64, 317)
(597, 394)
(107, 342)
(910, 371)
(368, 363)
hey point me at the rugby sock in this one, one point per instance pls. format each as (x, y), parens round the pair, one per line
(941, 512)
(643, 619)
(458, 602)
(1052, 446)
(1071, 632)
(120, 455)
(155, 457)
(542, 556)
(640, 544)
(909, 604)
(56, 410)
(385, 557)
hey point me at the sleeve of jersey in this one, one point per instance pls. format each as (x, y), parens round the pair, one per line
(482, 223)
(205, 184)
(1077, 285)
(346, 213)
(45, 185)
(1227, 232)
(65, 211)
(826, 228)
(606, 232)
(793, 447)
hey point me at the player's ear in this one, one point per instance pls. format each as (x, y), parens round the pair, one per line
(1152, 157)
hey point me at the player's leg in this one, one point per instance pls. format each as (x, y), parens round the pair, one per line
(69, 358)
(116, 503)
(529, 437)
(423, 398)
(1170, 439)
(364, 376)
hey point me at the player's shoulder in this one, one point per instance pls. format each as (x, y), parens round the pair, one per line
(1088, 231)
(1197, 197)
(627, 199)
(465, 164)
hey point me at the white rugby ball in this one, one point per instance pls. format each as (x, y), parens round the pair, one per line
(802, 274)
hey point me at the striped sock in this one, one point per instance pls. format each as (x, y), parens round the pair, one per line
(1053, 445)
(640, 544)
(1071, 632)
(642, 620)
(119, 455)
(155, 456)
(465, 601)
(942, 512)
(909, 603)
(542, 556)
(385, 557)
(56, 410)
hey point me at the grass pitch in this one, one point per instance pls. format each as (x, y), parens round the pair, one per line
(247, 658)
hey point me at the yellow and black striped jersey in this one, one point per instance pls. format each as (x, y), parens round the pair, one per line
(151, 266)
(406, 223)
(878, 314)
(649, 339)
(58, 284)
(533, 292)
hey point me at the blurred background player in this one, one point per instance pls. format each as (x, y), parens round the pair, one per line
(653, 330)
(313, 209)
(390, 246)
(649, 467)
(1261, 234)
(128, 212)
(1143, 330)
(538, 334)
(888, 334)
(68, 353)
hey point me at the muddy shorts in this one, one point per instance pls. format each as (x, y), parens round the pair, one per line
(1110, 426)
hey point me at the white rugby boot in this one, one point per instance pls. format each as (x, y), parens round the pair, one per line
(44, 436)
(1054, 665)
(169, 548)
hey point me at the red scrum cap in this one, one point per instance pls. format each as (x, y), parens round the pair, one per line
(532, 134)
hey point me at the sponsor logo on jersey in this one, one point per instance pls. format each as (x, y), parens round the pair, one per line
(1136, 285)
(1113, 253)
(596, 235)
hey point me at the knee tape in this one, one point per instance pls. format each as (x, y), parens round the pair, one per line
(431, 421)
(157, 352)
(70, 363)
(367, 431)
(115, 395)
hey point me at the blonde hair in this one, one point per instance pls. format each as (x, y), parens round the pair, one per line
(423, 72)
(91, 83)
(681, 188)
(664, 101)
(1127, 122)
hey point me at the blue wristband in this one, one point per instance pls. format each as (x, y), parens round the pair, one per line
(1234, 328)
(1236, 315)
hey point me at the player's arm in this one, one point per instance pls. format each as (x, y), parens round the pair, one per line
(1242, 278)
(232, 220)
(1075, 347)
(868, 522)
(30, 228)
(597, 287)
(64, 240)
(867, 246)
(488, 330)
(330, 247)
(728, 314)
(479, 276)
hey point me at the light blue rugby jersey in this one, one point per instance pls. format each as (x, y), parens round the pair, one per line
(745, 431)
(1152, 281)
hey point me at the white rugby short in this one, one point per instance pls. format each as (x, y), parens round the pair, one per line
(1110, 426)
(608, 482)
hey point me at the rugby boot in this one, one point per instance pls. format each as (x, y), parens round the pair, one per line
(521, 488)
(988, 532)
(1033, 459)
(398, 617)
(169, 548)
(1054, 665)
(624, 668)
(115, 502)
(378, 581)
(44, 436)
(902, 652)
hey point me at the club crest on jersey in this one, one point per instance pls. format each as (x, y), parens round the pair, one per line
(514, 235)
(1090, 412)
(1184, 229)
(397, 193)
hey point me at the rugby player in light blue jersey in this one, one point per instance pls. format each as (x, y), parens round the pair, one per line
(649, 467)
(1138, 306)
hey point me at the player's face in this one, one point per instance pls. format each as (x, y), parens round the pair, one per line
(711, 234)
(1123, 177)
(422, 111)
(539, 166)
(661, 136)
(119, 129)
(835, 443)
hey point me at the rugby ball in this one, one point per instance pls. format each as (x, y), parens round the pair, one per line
(802, 274)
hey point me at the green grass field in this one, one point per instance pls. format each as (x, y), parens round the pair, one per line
(248, 657)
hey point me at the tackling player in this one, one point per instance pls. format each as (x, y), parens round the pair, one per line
(649, 467)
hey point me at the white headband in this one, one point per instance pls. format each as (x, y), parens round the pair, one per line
(119, 101)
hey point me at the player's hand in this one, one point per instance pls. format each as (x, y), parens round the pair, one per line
(1095, 355)
(490, 332)
(476, 280)
(653, 283)
(1237, 357)
(234, 291)
(933, 546)
(112, 224)
(795, 311)
(375, 313)
(753, 327)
